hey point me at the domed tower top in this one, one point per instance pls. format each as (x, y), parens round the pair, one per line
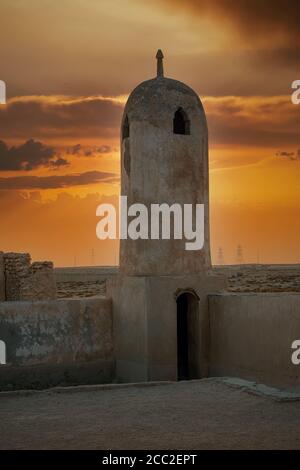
(164, 159)
(152, 97)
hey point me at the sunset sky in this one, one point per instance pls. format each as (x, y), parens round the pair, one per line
(69, 66)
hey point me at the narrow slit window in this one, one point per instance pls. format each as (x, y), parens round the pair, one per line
(181, 123)
(125, 129)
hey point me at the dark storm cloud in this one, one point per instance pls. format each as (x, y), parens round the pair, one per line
(269, 30)
(28, 156)
(87, 151)
(53, 117)
(249, 17)
(59, 162)
(102, 150)
(57, 182)
(75, 150)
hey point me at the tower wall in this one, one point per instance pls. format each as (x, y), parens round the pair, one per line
(159, 166)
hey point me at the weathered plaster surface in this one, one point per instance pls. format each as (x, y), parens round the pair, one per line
(145, 329)
(164, 168)
(159, 166)
(62, 335)
(251, 336)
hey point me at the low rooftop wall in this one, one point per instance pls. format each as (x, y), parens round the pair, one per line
(56, 342)
(251, 336)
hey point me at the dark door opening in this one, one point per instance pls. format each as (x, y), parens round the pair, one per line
(187, 337)
(182, 338)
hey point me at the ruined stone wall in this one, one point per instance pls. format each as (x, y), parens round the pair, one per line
(39, 284)
(17, 267)
(21, 280)
(2, 278)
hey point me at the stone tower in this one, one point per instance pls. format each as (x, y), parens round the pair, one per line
(160, 296)
(164, 159)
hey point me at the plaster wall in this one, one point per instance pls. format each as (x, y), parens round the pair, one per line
(56, 341)
(164, 168)
(145, 324)
(251, 336)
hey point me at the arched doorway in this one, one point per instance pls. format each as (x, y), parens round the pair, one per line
(188, 350)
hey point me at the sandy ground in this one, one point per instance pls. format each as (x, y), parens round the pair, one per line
(262, 278)
(241, 278)
(186, 415)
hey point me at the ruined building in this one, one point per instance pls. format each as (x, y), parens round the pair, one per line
(166, 314)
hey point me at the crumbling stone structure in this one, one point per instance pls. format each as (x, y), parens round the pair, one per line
(39, 284)
(21, 280)
(16, 267)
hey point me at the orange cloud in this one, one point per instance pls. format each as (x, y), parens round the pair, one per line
(235, 120)
(57, 117)
(253, 121)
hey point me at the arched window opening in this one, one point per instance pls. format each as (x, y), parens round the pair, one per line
(125, 129)
(181, 123)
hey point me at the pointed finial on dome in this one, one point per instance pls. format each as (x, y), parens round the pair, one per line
(160, 66)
